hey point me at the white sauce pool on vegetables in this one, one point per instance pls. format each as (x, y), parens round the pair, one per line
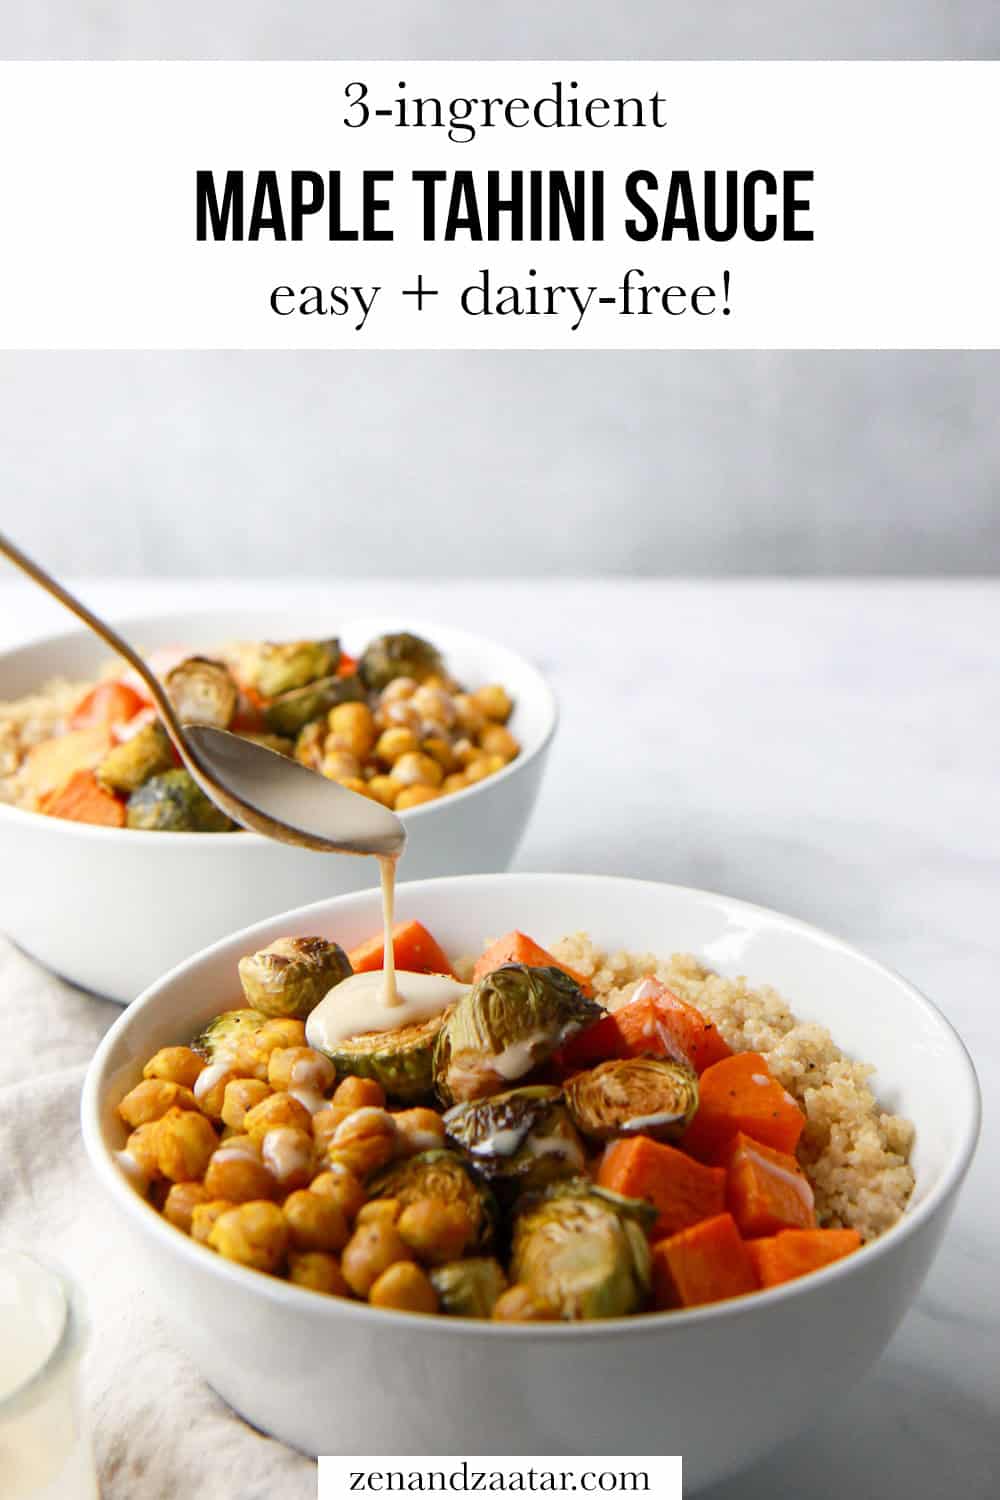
(519, 1057)
(356, 1005)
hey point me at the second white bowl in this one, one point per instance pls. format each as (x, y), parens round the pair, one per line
(112, 909)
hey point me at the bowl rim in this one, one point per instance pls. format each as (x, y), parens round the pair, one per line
(22, 816)
(284, 1294)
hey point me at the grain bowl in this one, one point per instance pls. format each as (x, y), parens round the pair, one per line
(342, 1375)
(114, 886)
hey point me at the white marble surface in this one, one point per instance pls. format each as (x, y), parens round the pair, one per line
(831, 749)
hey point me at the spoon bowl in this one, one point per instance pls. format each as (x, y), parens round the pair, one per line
(268, 793)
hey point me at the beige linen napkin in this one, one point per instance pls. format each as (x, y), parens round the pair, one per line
(159, 1431)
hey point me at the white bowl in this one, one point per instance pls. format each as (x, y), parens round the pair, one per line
(111, 909)
(722, 1384)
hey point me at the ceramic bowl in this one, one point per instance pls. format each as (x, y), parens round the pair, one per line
(721, 1384)
(112, 909)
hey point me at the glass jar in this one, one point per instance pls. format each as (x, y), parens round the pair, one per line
(44, 1445)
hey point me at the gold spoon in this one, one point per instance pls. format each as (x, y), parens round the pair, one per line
(258, 788)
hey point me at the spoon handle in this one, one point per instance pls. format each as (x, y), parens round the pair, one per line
(122, 648)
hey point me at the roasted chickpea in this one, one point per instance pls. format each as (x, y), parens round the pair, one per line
(253, 1052)
(254, 1234)
(399, 689)
(356, 1093)
(436, 1231)
(399, 716)
(288, 1152)
(469, 716)
(434, 703)
(185, 1141)
(151, 1099)
(211, 1091)
(340, 765)
(238, 1140)
(277, 1109)
(454, 783)
(372, 1249)
(354, 724)
(309, 744)
(325, 1123)
(499, 741)
(181, 1202)
(406, 1288)
(494, 701)
(416, 769)
(340, 1184)
(418, 1130)
(392, 743)
(384, 789)
(247, 1060)
(141, 1147)
(175, 1065)
(240, 1096)
(204, 1215)
(483, 766)
(280, 1031)
(465, 752)
(237, 1173)
(314, 1222)
(365, 1141)
(300, 1068)
(439, 749)
(518, 1304)
(383, 1209)
(415, 796)
(318, 1271)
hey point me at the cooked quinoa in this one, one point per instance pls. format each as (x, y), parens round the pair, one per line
(27, 722)
(854, 1153)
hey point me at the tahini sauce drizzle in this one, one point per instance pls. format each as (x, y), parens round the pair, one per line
(382, 999)
(387, 871)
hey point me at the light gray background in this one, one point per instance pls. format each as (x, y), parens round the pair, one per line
(499, 28)
(491, 463)
(494, 464)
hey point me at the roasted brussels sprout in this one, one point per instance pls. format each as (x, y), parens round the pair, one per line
(508, 1023)
(469, 1288)
(222, 1036)
(443, 1175)
(634, 1095)
(401, 1060)
(174, 803)
(133, 762)
(203, 692)
(290, 712)
(583, 1250)
(525, 1135)
(281, 666)
(399, 655)
(291, 975)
